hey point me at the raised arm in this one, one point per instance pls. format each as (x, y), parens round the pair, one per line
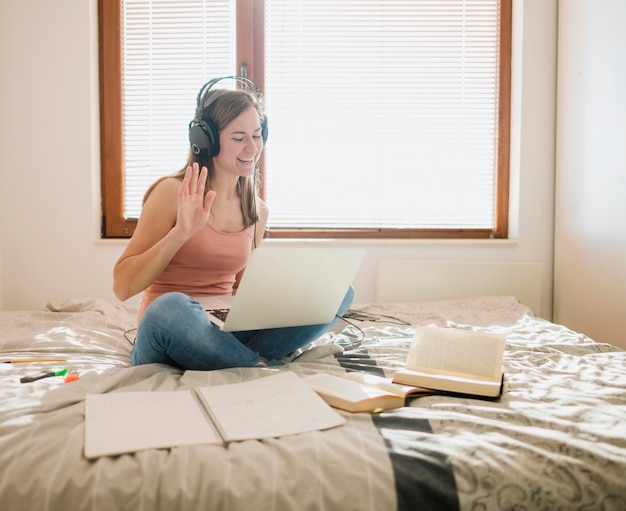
(172, 213)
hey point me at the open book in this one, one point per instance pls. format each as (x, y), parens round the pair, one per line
(268, 407)
(454, 360)
(361, 392)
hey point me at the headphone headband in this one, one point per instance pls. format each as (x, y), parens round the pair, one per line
(203, 133)
(241, 79)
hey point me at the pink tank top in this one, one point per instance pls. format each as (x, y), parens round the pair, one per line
(204, 266)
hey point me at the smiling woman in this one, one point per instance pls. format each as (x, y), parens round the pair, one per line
(194, 237)
(214, 189)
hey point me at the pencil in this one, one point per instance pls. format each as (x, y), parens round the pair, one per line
(33, 360)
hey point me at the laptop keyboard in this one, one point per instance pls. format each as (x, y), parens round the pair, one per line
(220, 313)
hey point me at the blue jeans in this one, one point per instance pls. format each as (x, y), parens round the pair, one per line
(176, 331)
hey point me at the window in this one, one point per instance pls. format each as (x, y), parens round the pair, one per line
(387, 118)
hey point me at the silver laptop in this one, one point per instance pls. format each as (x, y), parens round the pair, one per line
(286, 286)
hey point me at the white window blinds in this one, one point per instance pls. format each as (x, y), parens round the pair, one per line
(382, 113)
(169, 49)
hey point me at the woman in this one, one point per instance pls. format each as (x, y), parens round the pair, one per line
(194, 236)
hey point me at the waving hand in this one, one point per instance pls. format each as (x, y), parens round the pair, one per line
(194, 207)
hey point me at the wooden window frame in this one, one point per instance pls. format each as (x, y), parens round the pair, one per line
(250, 50)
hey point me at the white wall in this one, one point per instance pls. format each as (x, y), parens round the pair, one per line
(49, 159)
(590, 268)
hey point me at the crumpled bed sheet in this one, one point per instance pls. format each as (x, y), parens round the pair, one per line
(555, 440)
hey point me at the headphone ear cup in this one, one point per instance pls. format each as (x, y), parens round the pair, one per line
(204, 138)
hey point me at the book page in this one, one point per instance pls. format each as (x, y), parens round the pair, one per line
(268, 407)
(352, 390)
(459, 352)
(385, 384)
(120, 422)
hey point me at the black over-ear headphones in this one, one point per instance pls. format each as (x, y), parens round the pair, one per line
(203, 133)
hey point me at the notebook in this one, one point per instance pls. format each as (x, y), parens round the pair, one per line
(269, 407)
(287, 286)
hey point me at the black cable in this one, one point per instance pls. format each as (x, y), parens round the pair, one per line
(360, 315)
(352, 344)
(131, 342)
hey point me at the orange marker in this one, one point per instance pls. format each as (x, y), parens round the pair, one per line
(71, 377)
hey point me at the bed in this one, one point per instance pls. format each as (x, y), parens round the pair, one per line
(556, 439)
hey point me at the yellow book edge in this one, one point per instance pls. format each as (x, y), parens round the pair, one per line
(450, 383)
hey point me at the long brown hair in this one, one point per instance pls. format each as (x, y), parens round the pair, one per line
(223, 106)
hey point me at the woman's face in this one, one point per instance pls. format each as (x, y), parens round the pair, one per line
(240, 144)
